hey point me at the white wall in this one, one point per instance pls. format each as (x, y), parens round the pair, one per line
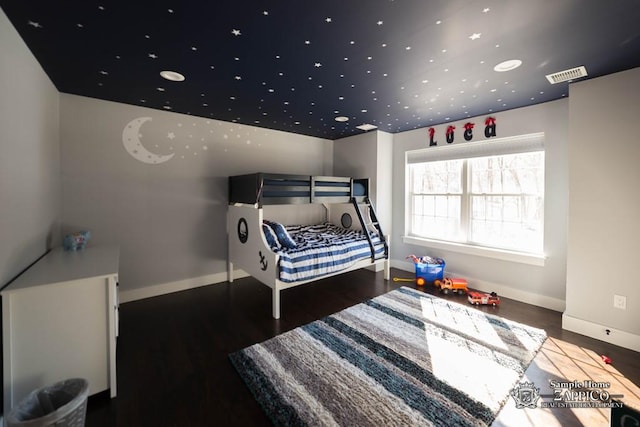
(368, 155)
(540, 285)
(384, 200)
(604, 206)
(29, 157)
(168, 218)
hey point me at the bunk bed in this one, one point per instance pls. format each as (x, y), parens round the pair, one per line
(284, 256)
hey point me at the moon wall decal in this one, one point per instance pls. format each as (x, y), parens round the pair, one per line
(131, 142)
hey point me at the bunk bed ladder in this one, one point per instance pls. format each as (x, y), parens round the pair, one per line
(365, 226)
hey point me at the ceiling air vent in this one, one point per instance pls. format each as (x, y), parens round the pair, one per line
(566, 75)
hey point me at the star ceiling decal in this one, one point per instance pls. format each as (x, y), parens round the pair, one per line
(364, 66)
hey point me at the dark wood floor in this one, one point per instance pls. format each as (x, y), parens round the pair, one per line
(172, 355)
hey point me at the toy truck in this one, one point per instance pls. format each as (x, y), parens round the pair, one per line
(478, 298)
(454, 285)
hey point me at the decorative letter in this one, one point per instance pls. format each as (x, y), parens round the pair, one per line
(468, 131)
(431, 141)
(490, 127)
(450, 134)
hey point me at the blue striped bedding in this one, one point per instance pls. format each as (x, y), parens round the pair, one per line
(323, 249)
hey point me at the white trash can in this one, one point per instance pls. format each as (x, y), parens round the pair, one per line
(63, 404)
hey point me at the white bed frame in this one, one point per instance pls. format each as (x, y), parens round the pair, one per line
(249, 251)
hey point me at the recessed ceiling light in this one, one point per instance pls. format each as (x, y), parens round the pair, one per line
(342, 119)
(366, 127)
(172, 75)
(508, 65)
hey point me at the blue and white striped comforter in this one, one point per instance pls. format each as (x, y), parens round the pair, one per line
(323, 249)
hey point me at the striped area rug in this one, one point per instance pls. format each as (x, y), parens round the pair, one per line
(402, 358)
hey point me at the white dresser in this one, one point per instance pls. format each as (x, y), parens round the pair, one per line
(59, 321)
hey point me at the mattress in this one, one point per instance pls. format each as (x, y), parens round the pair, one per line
(324, 249)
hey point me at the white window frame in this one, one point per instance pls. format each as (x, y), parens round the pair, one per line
(464, 150)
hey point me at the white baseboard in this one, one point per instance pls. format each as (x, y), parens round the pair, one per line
(180, 285)
(506, 291)
(599, 332)
(196, 282)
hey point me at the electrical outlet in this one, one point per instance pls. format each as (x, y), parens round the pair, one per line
(620, 302)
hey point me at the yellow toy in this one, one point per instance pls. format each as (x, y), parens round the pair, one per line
(419, 280)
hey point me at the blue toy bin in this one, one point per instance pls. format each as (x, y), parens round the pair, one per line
(430, 272)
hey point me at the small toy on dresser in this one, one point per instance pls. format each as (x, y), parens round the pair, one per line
(76, 241)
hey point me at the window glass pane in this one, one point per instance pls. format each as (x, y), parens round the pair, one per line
(513, 173)
(507, 201)
(511, 208)
(503, 200)
(437, 177)
(436, 189)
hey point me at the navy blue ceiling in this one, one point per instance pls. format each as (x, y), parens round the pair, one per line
(295, 65)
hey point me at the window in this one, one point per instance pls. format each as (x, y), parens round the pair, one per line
(486, 194)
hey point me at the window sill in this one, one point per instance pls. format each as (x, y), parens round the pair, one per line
(501, 254)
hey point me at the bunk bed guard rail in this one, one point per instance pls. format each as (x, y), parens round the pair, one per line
(277, 189)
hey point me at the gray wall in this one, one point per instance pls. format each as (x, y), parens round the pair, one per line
(168, 218)
(604, 229)
(541, 285)
(29, 156)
